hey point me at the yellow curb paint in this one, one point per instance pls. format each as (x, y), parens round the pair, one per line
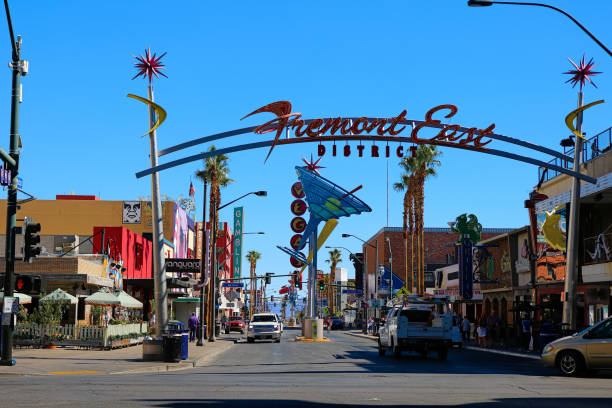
(74, 372)
(319, 340)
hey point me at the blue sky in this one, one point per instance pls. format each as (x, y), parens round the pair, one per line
(500, 64)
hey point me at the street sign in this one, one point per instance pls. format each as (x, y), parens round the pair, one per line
(351, 291)
(232, 284)
(19, 182)
(185, 265)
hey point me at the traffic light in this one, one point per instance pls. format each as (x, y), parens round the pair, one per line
(271, 298)
(269, 278)
(378, 280)
(321, 284)
(31, 240)
(27, 284)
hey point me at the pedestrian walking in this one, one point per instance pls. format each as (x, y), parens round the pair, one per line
(525, 332)
(193, 324)
(465, 325)
(371, 326)
(223, 322)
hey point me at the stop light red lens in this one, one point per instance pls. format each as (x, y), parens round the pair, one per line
(19, 284)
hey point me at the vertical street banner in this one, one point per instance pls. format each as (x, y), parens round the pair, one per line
(207, 267)
(238, 222)
(466, 272)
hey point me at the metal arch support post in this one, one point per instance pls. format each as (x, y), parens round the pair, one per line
(159, 267)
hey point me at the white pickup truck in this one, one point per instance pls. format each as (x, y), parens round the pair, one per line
(415, 327)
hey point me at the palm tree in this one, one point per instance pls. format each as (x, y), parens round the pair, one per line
(335, 257)
(252, 257)
(407, 183)
(215, 173)
(417, 169)
(427, 159)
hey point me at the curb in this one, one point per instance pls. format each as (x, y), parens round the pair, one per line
(323, 340)
(506, 353)
(363, 336)
(183, 365)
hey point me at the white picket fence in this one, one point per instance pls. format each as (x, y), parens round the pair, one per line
(71, 335)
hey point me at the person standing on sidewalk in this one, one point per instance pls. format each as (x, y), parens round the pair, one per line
(525, 332)
(193, 324)
(465, 325)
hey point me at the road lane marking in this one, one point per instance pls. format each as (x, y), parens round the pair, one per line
(75, 372)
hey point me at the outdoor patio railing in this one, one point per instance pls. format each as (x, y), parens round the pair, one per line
(592, 148)
(86, 336)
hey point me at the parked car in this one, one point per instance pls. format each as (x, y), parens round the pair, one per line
(264, 326)
(590, 349)
(234, 323)
(336, 324)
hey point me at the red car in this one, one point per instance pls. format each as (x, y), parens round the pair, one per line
(234, 323)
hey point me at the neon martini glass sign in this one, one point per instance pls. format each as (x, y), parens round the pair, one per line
(326, 200)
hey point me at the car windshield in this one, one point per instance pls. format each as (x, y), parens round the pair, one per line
(587, 329)
(235, 319)
(263, 318)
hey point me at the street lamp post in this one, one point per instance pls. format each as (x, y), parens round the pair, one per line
(203, 263)
(390, 267)
(365, 258)
(19, 68)
(213, 278)
(484, 3)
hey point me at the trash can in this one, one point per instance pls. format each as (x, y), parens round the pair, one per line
(171, 346)
(185, 345)
(204, 332)
(175, 327)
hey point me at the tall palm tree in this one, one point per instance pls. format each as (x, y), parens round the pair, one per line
(417, 169)
(407, 183)
(252, 257)
(215, 173)
(335, 257)
(427, 159)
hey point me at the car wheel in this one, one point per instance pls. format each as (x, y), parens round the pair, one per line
(443, 353)
(227, 331)
(277, 340)
(242, 331)
(250, 340)
(570, 363)
(395, 350)
(381, 349)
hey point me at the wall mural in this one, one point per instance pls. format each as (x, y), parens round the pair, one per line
(550, 264)
(132, 212)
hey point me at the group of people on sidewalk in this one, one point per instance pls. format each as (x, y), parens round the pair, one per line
(491, 331)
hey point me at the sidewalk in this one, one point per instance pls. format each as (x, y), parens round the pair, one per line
(70, 361)
(470, 346)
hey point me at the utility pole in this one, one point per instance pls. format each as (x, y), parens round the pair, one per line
(203, 265)
(212, 288)
(11, 160)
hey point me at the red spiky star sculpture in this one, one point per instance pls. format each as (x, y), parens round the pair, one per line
(149, 65)
(582, 73)
(312, 165)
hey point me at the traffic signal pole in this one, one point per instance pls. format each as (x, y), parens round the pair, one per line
(11, 207)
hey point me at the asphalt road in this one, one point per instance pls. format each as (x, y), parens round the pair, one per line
(344, 372)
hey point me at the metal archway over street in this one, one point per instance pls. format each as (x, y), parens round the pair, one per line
(367, 129)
